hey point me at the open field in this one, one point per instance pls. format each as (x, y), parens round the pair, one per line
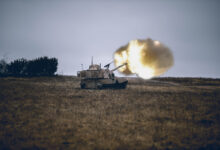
(163, 113)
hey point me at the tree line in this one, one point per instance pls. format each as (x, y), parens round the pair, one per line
(42, 66)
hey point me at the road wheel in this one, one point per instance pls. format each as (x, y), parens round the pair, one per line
(99, 86)
(83, 86)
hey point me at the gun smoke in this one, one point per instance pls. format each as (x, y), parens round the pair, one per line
(145, 58)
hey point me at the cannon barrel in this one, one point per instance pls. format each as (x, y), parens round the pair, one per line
(119, 66)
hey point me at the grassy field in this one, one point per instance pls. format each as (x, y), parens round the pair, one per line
(163, 113)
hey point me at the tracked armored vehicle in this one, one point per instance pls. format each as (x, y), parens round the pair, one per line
(97, 78)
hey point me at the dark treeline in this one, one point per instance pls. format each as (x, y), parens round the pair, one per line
(42, 66)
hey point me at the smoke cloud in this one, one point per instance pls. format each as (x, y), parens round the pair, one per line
(146, 58)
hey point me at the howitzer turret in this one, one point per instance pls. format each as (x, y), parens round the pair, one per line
(96, 78)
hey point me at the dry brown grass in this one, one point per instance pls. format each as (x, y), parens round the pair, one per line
(54, 113)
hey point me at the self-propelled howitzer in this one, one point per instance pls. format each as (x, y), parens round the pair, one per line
(97, 78)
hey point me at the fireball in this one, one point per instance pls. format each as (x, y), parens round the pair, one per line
(145, 58)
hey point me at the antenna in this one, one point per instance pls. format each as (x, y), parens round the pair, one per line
(92, 61)
(82, 66)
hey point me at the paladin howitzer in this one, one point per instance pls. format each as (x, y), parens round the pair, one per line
(97, 78)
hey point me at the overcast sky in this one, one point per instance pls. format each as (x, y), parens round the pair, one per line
(73, 31)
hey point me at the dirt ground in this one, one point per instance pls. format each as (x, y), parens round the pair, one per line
(162, 113)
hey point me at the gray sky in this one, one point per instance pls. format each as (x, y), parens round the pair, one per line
(73, 31)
